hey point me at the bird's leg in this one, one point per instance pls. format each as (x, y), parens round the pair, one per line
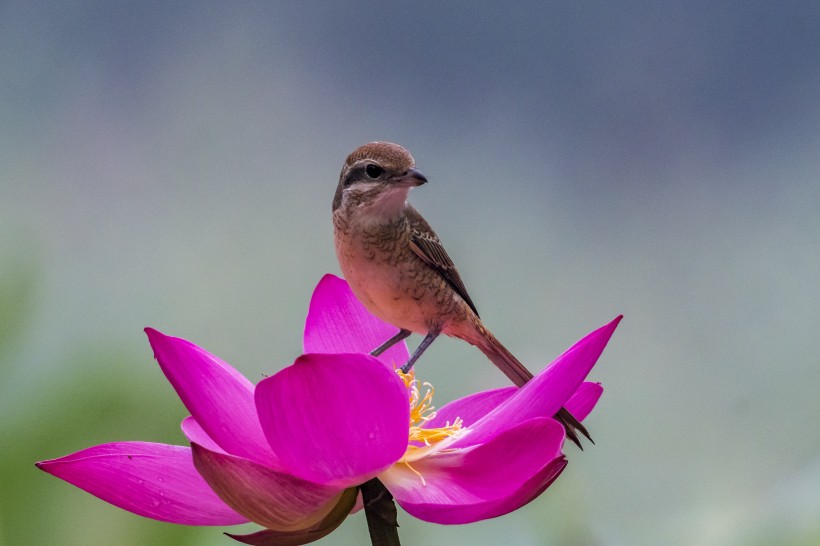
(390, 342)
(428, 339)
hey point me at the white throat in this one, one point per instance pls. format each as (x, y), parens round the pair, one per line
(385, 207)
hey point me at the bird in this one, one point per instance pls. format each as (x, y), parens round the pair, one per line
(398, 269)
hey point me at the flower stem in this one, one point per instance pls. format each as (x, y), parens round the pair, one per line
(381, 514)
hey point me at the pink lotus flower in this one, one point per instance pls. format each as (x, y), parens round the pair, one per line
(290, 453)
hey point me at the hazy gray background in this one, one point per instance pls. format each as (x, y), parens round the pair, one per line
(173, 166)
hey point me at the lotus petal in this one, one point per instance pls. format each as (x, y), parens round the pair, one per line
(583, 401)
(219, 398)
(545, 393)
(273, 499)
(335, 418)
(338, 323)
(308, 535)
(157, 481)
(483, 481)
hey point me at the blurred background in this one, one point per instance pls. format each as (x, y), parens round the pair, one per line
(173, 165)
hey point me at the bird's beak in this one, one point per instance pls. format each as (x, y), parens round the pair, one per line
(410, 178)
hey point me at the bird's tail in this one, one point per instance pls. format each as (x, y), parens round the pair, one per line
(519, 374)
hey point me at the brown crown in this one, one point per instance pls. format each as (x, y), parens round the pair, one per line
(391, 157)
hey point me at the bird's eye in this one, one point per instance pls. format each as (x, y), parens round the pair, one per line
(373, 171)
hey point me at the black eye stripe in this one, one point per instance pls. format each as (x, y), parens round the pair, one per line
(371, 171)
(353, 175)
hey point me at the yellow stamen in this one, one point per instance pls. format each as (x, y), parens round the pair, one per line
(417, 473)
(421, 412)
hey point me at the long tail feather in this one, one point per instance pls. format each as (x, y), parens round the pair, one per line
(519, 374)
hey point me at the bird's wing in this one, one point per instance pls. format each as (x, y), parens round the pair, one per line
(425, 243)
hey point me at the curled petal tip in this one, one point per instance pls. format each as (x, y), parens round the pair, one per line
(154, 336)
(614, 322)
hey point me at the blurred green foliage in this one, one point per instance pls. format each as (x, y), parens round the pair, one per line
(95, 398)
(18, 282)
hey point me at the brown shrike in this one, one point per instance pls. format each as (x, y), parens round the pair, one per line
(397, 267)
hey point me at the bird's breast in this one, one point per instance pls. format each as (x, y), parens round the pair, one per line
(382, 271)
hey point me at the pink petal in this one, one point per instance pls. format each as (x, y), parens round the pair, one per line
(580, 404)
(470, 408)
(304, 536)
(266, 496)
(476, 511)
(488, 480)
(195, 435)
(219, 398)
(335, 418)
(338, 323)
(157, 481)
(546, 392)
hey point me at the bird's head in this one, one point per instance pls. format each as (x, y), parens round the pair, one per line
(377, 176)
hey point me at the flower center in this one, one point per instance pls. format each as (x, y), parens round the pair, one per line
(421, 440)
